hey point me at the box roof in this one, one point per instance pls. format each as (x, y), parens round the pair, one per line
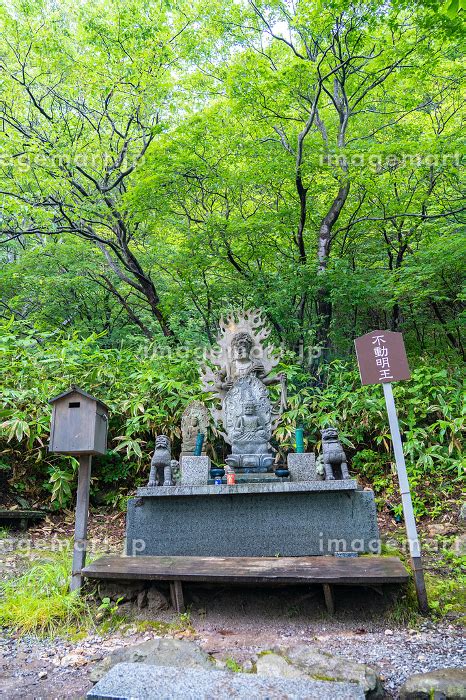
(76, 390)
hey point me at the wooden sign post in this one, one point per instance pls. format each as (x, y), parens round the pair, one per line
(382, 360)
(79, 427)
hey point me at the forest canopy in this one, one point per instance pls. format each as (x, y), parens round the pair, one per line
(162, 163)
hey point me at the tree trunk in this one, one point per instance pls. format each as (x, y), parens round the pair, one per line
(324, 304)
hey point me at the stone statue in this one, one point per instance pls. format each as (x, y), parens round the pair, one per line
(161, 459)
(250, 433)
(243, 372)
(333, 454)
(168, 473)
(195, 419)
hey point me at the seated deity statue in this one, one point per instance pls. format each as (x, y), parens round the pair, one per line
(249, 426)
(250, 433)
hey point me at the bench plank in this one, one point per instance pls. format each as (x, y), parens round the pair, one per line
(6, 514)
(242, 570)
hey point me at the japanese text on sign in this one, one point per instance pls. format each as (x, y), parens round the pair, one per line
(382, 357)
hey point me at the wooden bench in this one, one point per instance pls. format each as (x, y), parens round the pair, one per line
(328, 571)
(23, 516)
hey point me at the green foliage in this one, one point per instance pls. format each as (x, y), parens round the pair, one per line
(108, 615)
(109, 607)
(146, 388)
(446, 595)
(444, 573)
(454, 6)
(446, 579)
(147, 391)
(149, 178)
(39, 602)
(185, 620)
(233, 665)
(431, 413)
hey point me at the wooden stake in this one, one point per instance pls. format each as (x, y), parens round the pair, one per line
(81, 518)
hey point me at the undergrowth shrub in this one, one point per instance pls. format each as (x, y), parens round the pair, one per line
(39, 601)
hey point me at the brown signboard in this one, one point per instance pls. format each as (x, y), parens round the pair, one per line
(382, 357)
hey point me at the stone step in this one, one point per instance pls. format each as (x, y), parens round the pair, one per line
(136, 681)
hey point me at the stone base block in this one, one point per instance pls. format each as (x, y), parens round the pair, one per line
(302, 467)
(230, 521)
(138, 680)
(194, 470)
(250, 463)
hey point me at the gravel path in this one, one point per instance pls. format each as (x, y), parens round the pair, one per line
(235, 627)
(403, 653)
(230, 623)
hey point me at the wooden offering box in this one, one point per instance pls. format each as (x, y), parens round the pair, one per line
(79, 424)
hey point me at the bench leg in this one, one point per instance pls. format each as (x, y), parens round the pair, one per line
(176, 595)
(328, 595)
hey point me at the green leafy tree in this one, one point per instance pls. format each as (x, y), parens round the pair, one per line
(87, 88)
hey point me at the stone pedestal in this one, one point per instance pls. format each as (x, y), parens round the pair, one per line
(302, 466)
(194, 470)
(252, 520)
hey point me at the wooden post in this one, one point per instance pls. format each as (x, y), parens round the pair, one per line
(328, 595)
(80, 528)
(408, 512)
(176, 595)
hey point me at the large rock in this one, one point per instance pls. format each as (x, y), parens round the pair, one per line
(443, 684)
(120, 590)
(152, 599)
(276, 666)
(459, 546)
(157, 652)
(130, 681)
(311, 662)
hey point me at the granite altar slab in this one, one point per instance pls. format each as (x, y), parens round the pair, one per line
(249, 488)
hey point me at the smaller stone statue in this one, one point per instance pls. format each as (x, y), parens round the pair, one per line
(168, 473)
(161, 459)
(320, 471)
(333, 454)
(194, 420)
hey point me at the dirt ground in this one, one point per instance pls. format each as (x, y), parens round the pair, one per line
(232, 624)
